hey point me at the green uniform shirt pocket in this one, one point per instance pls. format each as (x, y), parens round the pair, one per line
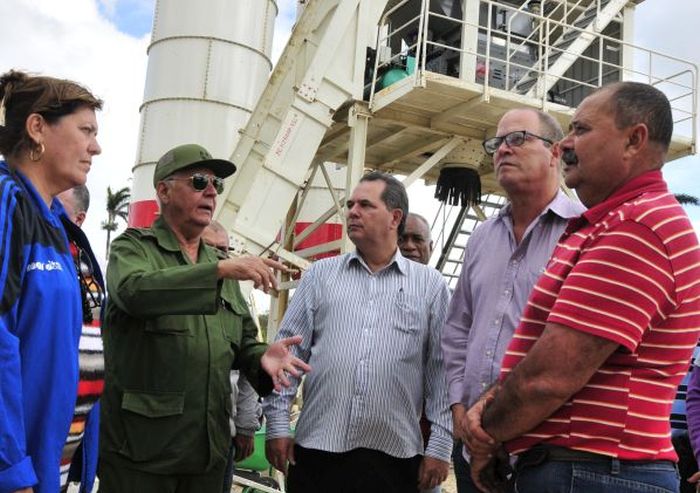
(154, 405)
(152, 425)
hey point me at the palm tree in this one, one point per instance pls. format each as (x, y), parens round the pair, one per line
(117, 207)
(685, 199)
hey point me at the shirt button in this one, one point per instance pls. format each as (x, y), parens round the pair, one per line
(489, 353)
(484, 385)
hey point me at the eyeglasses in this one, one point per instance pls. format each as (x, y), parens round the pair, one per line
(513, 139)
(200, 182)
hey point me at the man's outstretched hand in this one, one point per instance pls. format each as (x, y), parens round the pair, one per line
(278, 360)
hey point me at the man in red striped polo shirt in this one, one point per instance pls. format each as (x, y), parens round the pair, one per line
(588, 379)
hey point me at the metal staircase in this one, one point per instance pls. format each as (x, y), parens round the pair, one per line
(461, 222)
(575, 38)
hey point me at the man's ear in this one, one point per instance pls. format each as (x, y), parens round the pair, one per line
(397, 216)
(556, 155)
(80, 218)
(637, 138)
(163, 192)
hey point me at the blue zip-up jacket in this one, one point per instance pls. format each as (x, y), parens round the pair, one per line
(40, 325)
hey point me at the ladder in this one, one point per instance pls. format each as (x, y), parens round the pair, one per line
(321, 68)
(574, 40)
(464, 220)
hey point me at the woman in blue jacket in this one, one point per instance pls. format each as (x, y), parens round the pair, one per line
(48, 134)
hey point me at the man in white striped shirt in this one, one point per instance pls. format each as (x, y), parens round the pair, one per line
(371, 321)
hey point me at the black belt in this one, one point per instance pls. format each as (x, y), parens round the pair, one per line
(543, 453)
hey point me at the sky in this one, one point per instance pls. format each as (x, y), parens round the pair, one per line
(102, 44)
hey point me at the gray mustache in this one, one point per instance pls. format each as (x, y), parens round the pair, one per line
(569, 157)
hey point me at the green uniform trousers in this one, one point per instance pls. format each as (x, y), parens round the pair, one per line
(119, 479)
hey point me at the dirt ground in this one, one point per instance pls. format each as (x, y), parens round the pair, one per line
(449, 486)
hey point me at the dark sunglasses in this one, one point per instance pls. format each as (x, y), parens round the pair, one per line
(200, 182)
(513, 139)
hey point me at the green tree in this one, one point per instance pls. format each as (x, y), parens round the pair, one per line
(685, 199)
(117, 207)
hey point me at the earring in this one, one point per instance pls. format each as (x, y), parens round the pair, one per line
(36, 156)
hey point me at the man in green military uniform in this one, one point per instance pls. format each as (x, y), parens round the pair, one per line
(175, 325)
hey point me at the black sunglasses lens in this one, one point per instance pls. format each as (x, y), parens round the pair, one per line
(218, 184)
(199, 182)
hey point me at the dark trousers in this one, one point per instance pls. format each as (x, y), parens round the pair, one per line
(687, 466)
(230, 469)
(463, 472)
(357, 471)
(119, 479)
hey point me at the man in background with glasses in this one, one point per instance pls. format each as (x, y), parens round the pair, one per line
(503, 259)
(175, 325)
(588, 379)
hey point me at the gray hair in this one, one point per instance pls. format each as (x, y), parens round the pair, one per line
(81, 194)
(424, 221)
(549, 126)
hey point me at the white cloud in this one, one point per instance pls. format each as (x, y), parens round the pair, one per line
(283, 26)
(71, 39)
(74, 39)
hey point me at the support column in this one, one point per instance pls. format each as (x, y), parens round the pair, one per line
(627, 61)
(470, 40)
(358, 121)
(279, 303)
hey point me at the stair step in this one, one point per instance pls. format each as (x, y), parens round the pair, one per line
(583, 22)
(553, 57)
(451, 276)
(563, 44)
(592, 11)
(571, 34)
(526, 84)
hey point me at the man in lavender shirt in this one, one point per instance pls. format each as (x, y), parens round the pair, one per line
(503, 259)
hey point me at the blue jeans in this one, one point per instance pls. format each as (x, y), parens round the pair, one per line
(604, 476)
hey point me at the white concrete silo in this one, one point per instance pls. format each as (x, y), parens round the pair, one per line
(208, 62)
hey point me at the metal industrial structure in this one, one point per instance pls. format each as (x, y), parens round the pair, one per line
(406, 86)
(193, 90)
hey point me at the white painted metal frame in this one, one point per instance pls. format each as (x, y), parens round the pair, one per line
(321, 68)
(677, 77)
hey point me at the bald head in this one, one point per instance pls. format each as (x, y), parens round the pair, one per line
(75, 201)
(215, 235)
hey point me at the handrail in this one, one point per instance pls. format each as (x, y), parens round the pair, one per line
(681, 82)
